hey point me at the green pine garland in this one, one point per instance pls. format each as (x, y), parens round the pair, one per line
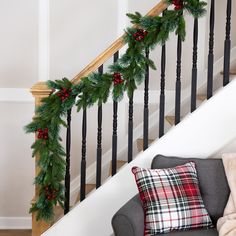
(123, 76)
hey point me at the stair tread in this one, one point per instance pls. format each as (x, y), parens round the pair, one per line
(139, 143)
(232, 72)
(88, 188)
(170, 120)
(119, 164)
(58, 213)
(201, 97)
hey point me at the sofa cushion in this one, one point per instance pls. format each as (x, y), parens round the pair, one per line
(212, 181)
(171, 199)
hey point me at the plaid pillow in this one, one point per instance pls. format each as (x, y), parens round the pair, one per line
(171, 199)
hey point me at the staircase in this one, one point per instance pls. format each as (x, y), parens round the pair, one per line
(195, 136)
(189, 135)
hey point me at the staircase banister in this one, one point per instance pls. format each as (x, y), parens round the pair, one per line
(116, 46)
(41, 90)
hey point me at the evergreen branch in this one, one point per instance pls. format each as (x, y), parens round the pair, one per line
(122, 77)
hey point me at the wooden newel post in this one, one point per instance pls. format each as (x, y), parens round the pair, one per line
(39, 91)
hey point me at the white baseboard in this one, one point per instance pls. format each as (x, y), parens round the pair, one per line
(15, 223)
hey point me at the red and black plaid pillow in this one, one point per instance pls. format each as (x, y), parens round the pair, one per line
(171, 199)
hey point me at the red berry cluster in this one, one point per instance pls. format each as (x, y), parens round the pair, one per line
(43, 133)
(178, 4)
(50, 193)
(64, 94)
(140, 35)
(117, 79)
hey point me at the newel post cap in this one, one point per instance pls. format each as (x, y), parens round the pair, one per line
(40, 90)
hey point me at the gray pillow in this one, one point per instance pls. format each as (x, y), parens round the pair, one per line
(212, 180)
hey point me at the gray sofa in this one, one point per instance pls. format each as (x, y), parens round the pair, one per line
(129, 220)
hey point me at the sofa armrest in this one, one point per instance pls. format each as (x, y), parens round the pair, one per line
(129, 220)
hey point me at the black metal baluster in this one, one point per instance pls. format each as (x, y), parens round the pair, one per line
(114, 139)
(114, 133)
(67, 175)
(99, 142)
(162, 94)
(83, 159)
(227, 44)
(130, 129)
(146, 107)
(178, 82)
(194, 68)
(211, 52)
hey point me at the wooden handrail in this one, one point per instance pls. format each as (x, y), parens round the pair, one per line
(117, 45)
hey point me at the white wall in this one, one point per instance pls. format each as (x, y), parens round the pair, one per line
(19, 40)
(71, 47)
(18, 70)
(16, 168)
(79, 31)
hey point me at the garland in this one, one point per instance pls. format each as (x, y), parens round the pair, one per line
(123, 76)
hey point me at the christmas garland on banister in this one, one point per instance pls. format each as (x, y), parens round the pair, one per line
(123, 76)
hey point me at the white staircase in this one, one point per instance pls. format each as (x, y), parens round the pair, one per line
(200, 134)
